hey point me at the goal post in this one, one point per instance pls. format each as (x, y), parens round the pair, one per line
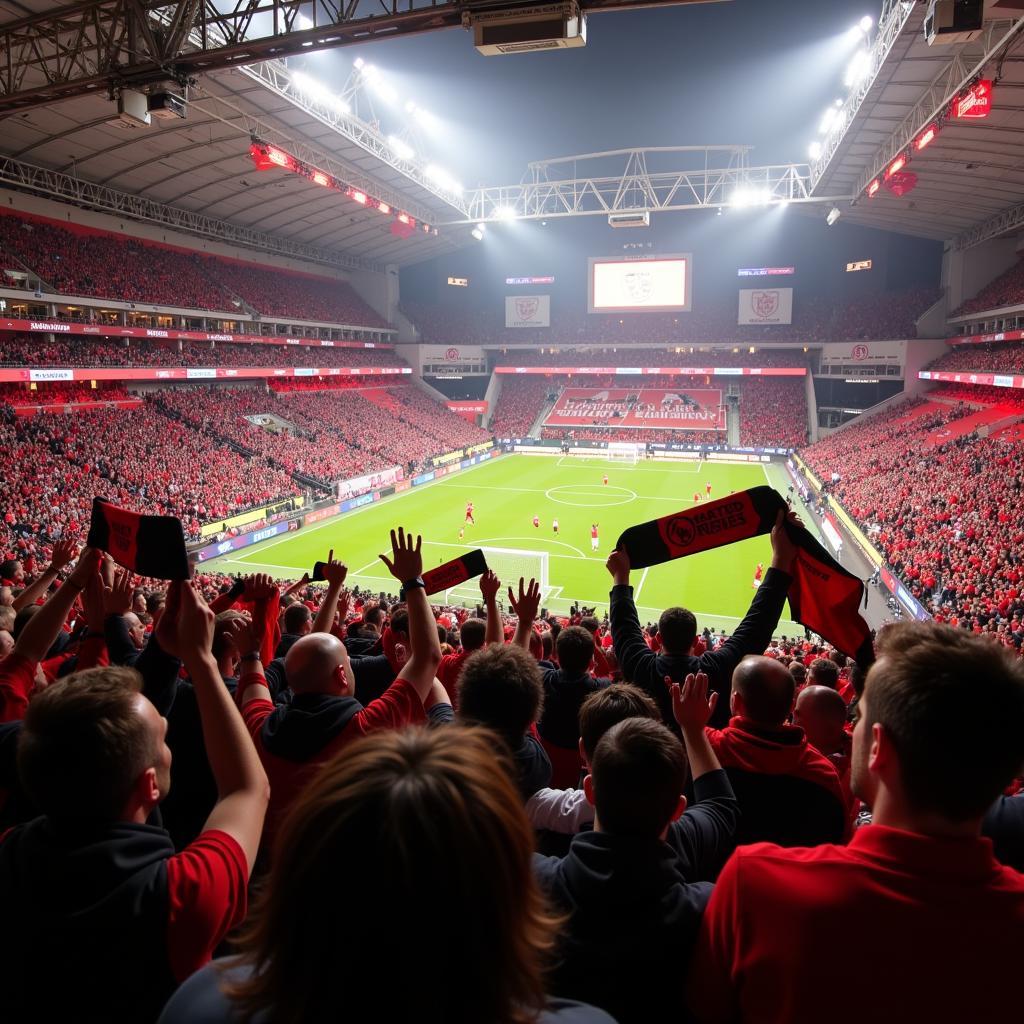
(508, 564)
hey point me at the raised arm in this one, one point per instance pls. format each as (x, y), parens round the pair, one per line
(64, 552)
(43, 628)
(706, 833)
(242, 787)
(406, 565)
(334, 573)
(627, 636)
(526, 607)
(489, 587)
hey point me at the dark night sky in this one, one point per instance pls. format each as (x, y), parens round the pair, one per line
(752, 72)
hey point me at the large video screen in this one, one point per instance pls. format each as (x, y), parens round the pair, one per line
(650, 284)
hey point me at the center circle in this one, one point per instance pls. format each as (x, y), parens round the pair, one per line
(618, 495)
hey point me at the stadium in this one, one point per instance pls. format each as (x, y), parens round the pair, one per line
(553, 465)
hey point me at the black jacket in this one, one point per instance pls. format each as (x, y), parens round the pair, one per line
(85, 923)
(635, 907)
(1004, 825)
(645, 668)
(563, 694)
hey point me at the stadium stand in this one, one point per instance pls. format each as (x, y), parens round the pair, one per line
(86, 262)
(1005, 290)
(22, 350)
(989, 358)
(946, 519)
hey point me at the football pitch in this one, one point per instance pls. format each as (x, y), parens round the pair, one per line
(506, 494)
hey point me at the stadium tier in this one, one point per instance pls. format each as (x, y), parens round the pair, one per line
(88, 263)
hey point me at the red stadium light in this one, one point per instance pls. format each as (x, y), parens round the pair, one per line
(873, 188)
(976, 102)
(321, 179)
(896, 166)
(404, 218)
(358, 197)
(383, 207)
(927, 137)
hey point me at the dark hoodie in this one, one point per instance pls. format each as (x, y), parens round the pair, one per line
(635, 907)
(85, 923)
(789, 793)
(533, 768)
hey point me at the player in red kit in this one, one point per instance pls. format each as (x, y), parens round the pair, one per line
(593, 536)
(696, 497)
(469, 514)
(606, 479)
(707, 487)
(758, 573)
(536, 522)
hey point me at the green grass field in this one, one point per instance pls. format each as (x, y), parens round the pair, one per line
(507, 493)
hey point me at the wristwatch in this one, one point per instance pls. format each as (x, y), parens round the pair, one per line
(412, 585)
(251, 656)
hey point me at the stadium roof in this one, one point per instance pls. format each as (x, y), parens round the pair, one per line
(201, 164)
(972, 171)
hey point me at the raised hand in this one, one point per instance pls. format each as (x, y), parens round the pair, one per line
(618, 567)
(243, 636)
(406, 561)
(88, 563)
(117, 598)
(186, 627)
(691, 706)
(784, 551)
(64, 551)
(259, 586)
(489, 586)
(335, 572)
(527, 604)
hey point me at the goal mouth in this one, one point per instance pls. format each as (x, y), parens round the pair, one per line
(509, 565)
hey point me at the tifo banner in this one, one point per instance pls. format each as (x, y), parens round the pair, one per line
(370, 482)
(687, 409)
(115, 331)
(662, 371)
(527, 310)
(996, 380)
(766, 306)
(986, 339)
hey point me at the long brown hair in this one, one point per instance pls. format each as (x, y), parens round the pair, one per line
(401, 889)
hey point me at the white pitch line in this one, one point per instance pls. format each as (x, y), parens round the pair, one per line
(640, 585)
(532, 490)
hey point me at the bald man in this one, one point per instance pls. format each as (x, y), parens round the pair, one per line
(821, 713)
(789, 793)
(294, 740)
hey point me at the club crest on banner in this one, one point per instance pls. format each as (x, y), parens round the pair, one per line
(765, 303)
(526, 307)
(639, 285)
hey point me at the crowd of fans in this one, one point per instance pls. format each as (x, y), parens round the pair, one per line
(594, 821)
(986, 358)
(640, 356)
(1005, 290)
(885, 315)
(22, 350)
(136, 457)
(91, 263)
(943, 506)
(279, 293)
(18, 395)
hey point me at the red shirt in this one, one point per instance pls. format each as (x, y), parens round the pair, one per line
(206, 898)
(398, 706)
(938, 923)
(17, 678)
(449, 670)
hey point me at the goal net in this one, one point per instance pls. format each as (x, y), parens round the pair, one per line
(509, 564)
(629, 455)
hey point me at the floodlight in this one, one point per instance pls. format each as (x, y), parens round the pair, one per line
(477, 234)
(359, 62)
(865, 24)
(481, 228)
(833, 215)
(858, 68)
(400, 147)
(814, 150)
(827, 120)
(505, 213)
(744, 197)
